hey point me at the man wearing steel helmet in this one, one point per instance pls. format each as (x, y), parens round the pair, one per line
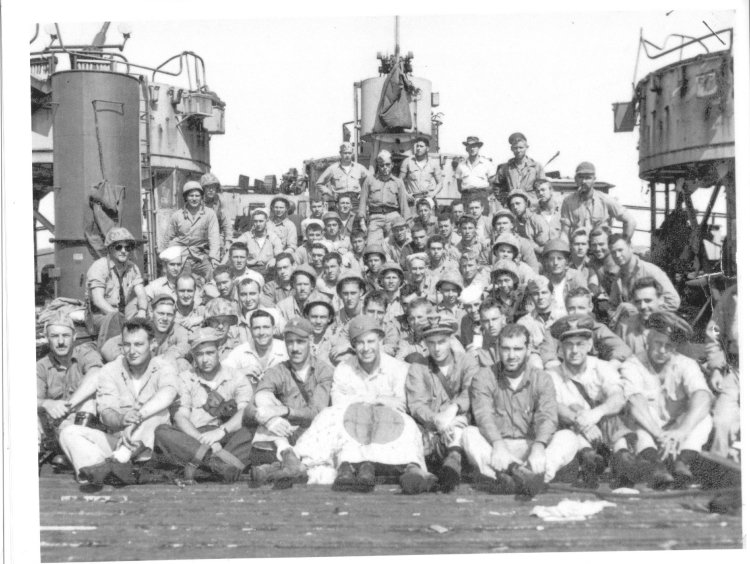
(587, 207)
(114, 286)
(383, 199)
(520, 172)
(555, 266)
(398, 239)
(437, 397)
(669, 402)
(343, 177)
(504, 223)
(207, 434)
(221, 314)
(66, 380)
(196, 228)
(212, 199)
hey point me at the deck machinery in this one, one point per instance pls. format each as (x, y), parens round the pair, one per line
(114, 146)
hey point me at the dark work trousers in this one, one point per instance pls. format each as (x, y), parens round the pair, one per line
(180, 447)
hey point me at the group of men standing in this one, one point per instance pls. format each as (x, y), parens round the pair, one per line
(389, 338)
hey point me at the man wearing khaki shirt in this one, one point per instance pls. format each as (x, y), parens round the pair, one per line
(133, 396)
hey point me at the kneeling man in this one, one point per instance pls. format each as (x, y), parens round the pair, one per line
(516, 442)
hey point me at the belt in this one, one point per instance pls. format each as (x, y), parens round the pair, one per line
(374, 210)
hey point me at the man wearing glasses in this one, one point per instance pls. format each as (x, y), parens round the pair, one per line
(114, 286)
(383, 200)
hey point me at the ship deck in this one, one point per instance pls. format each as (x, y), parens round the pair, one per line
(210, 520)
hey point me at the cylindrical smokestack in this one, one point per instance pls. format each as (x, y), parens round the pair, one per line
(96, 126)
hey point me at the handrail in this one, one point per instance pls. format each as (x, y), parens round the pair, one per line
(182, 56)
(682, 45)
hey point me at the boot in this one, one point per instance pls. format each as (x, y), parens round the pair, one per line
(625, 470)
(227, 472)
(292, 471)
(262, 474)
(345, 480)
(592, 466)
(414, 480)
(681, 470)
(366, 475)
(449, 476)
(528, 483)
(658, 476)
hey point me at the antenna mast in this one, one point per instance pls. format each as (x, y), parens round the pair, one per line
(397, 47)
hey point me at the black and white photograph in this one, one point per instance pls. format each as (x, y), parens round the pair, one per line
(407, 279)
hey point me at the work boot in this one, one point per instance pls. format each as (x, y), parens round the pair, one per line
(345, 480)
(658, 476)
(625, 469)
(592, 466)
(528, 483)
(227, 472)
(292, 471)
(414, 480)
(96, 474)
(682, 474)
(449, 475)
(366, 475)
(262, 474)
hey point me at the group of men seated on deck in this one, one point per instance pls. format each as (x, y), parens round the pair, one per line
(392, 342)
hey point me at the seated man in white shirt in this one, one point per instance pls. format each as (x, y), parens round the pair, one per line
(589, 396)
(669, 404)
(367, 423)
(262, 352)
